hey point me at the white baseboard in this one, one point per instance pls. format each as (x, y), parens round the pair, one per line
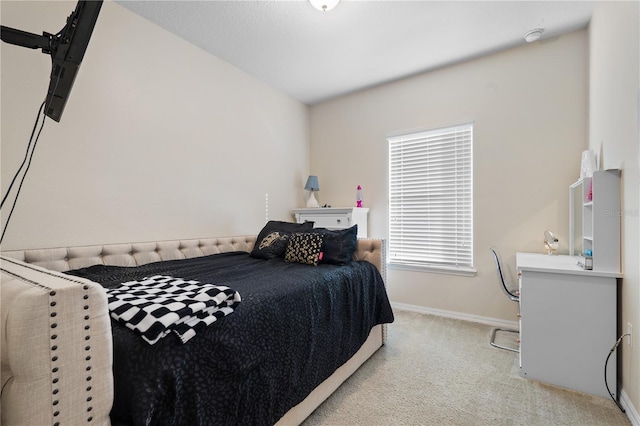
(631, 411)
(495, 322)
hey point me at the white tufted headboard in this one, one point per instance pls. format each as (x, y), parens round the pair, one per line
(134, 254)
(130, 254)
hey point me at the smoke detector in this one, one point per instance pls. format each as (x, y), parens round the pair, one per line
(533, 35)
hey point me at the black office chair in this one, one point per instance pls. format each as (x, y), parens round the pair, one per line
(514, 295)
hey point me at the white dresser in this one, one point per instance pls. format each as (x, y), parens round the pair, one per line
(335, 218)
(568, 322)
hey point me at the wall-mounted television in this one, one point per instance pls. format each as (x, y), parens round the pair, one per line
(66, 48)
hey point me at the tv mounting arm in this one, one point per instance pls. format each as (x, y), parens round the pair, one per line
(47, 42)
(66, 49)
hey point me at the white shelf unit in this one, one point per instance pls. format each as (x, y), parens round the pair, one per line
(595, 223)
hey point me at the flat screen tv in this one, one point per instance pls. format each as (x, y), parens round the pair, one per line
(66, 48)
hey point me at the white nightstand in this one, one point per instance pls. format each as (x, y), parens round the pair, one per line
(335, 218)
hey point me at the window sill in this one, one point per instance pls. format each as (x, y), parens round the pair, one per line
(448, 270)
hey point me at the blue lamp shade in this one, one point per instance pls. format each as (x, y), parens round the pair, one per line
(312, 184)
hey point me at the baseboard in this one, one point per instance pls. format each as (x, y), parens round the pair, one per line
(631, 411)
(495, 322)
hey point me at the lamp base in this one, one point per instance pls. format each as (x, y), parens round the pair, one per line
(312, 202)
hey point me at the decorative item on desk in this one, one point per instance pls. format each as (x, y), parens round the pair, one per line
(588, 262)
(588, 165)
(312, 185)
(359, 196)
(550, 243)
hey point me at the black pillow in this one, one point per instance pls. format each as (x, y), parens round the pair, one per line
(273, 238)
(339, 245)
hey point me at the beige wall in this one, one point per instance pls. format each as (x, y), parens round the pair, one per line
(613, 134)
(529, 106)
(159, 140)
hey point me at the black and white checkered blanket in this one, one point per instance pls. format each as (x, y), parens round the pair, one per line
(158, 305)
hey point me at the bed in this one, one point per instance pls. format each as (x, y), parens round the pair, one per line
(257, 364)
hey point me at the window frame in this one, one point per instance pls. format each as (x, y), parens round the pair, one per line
(462, 135)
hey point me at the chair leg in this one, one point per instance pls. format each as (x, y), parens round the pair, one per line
(493, 338)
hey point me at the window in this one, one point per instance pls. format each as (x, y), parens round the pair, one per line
(431, 199)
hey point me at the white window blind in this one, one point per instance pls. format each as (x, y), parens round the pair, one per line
(431, 198)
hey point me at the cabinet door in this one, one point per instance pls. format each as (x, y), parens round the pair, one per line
(568, 326)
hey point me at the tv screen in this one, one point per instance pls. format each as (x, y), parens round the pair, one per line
(66, 59)
(66, 48)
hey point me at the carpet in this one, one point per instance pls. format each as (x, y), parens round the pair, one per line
(441, 371)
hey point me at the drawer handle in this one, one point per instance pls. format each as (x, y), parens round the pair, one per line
(338, 220)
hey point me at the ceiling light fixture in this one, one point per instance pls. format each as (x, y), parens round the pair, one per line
(324, 5)
(533, 35)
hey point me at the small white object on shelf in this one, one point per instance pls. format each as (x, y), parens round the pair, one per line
(588, 165)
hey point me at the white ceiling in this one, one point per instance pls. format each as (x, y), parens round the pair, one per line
(314, 56)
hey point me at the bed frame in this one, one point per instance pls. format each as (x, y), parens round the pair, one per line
(56, 332)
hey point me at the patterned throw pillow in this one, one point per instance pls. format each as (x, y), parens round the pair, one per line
(273, 238)
(304, 248)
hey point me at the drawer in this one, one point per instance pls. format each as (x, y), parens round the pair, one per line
(335, 218)
(328, 220)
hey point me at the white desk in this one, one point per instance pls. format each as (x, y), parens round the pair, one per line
(568, 322)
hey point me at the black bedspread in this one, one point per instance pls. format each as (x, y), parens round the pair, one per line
(295, 326)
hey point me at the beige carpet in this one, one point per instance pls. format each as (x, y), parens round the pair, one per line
(439, 371)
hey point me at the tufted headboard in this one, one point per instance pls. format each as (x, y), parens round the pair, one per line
(134, 254)
(130, 254)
